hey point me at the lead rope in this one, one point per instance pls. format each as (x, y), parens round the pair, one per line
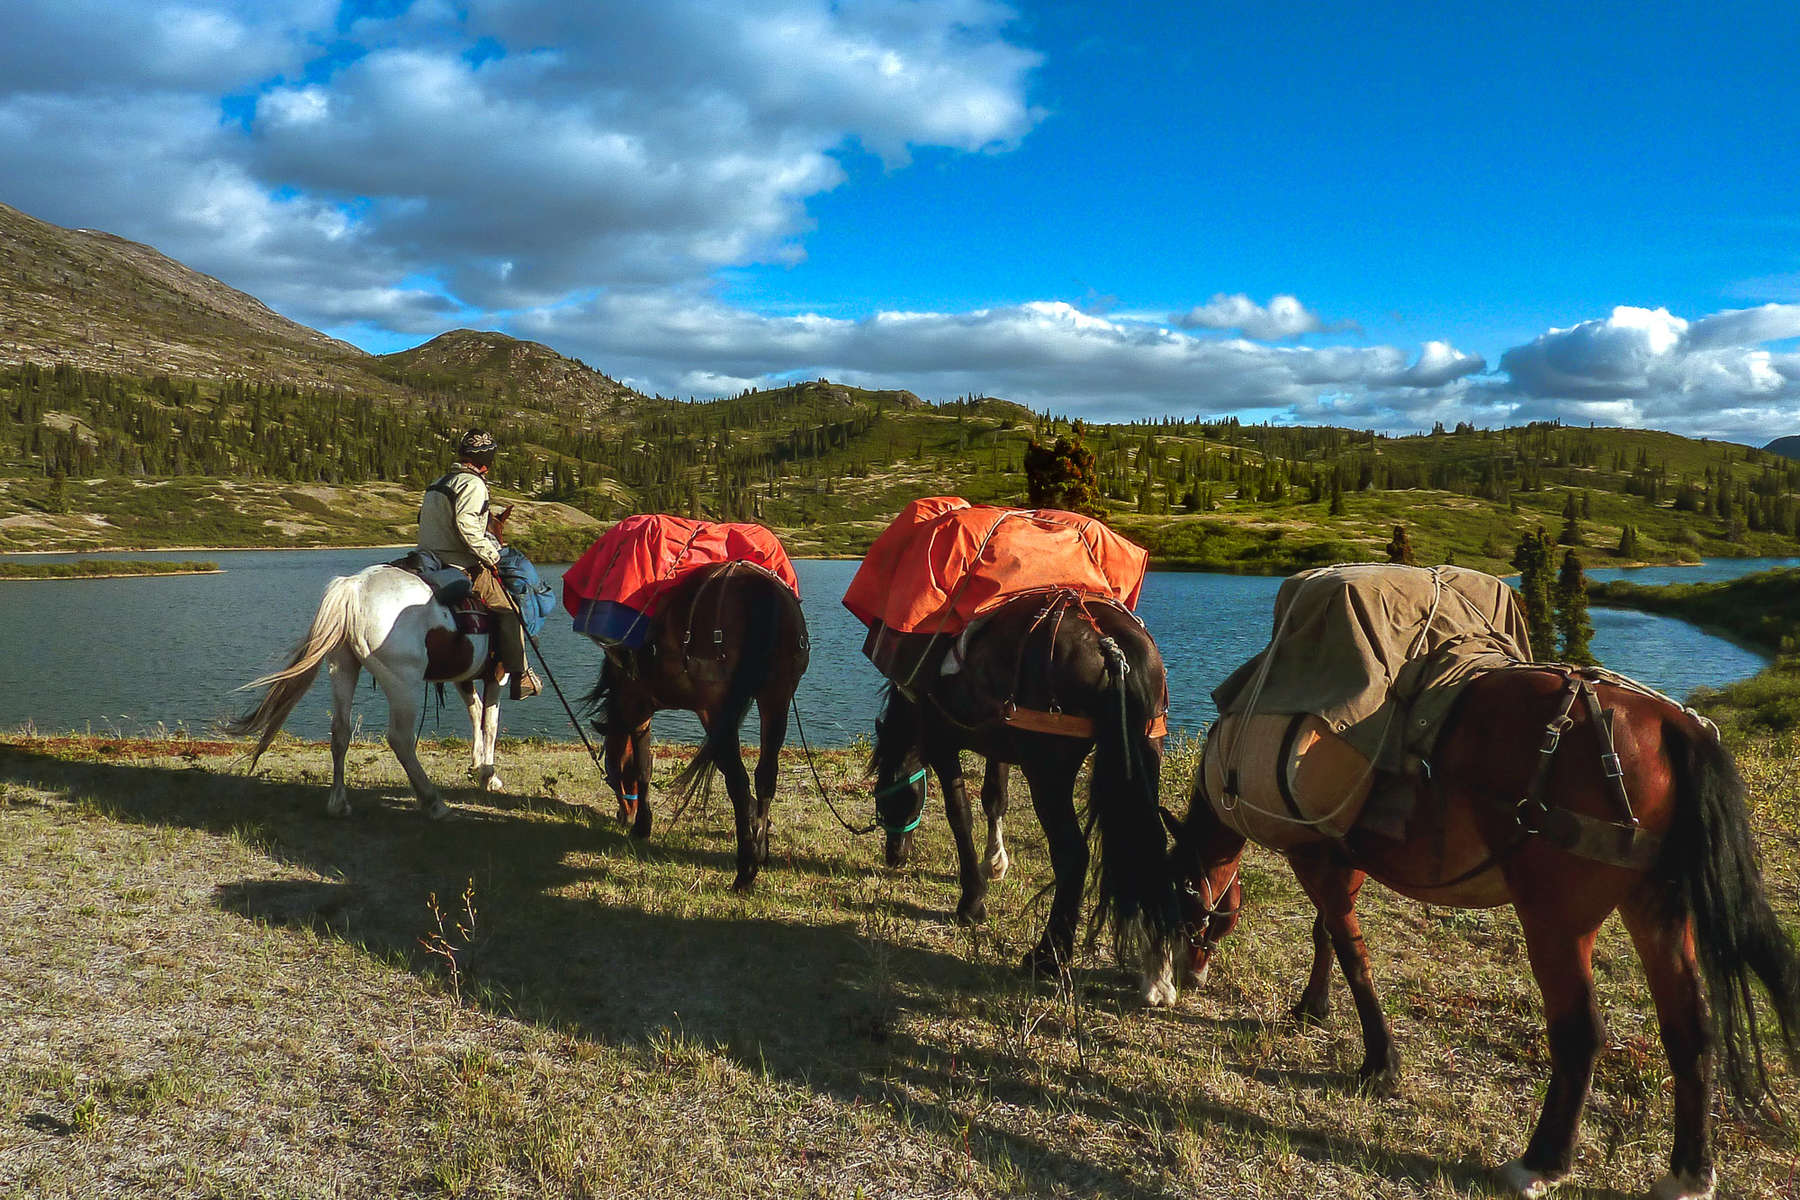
(824, 795)
(1111, 649)
(551, 676)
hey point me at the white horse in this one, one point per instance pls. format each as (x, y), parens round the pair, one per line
(389, 621)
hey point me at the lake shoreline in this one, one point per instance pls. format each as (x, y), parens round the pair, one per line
(1184, 566)
(108, 575)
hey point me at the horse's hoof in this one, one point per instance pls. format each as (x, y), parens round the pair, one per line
(1683, 1187)
(640, 830)
(1158, 988)
(435, 808)
(995, 868)
(1524, 1182)
(1043, 961)
(971, 914)
(494, 784)
(1307, 1015)
(337, 808)
(744, 883)
(1383, 1084)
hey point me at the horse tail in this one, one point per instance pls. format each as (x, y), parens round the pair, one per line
(330, 629)
(1710, 858)
(762, 629)
(1136, 876)
(597, 702)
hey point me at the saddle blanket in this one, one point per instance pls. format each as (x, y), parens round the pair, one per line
(943, 561)
(612, 590)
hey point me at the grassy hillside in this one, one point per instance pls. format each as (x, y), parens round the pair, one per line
(828, 465)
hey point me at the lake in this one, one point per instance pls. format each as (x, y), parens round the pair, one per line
(150, 655)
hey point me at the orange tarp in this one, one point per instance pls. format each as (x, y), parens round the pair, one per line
(943, 561)
(641, 555)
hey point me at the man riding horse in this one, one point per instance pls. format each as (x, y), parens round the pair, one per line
(456, 523)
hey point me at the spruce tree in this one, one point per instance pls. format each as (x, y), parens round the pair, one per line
(1532, 558)
(1628, 542)
(1571, 612)
(1571, 530)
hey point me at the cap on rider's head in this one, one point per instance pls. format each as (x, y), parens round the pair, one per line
(477, 446)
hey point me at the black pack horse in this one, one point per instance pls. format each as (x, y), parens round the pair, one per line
(1040, 681)
(723, 636)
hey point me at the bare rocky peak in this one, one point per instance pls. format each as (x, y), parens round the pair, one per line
(101, 301)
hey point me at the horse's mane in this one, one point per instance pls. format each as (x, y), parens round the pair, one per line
(890, 749)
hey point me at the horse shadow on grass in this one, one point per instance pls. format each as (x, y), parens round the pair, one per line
(816, 1004)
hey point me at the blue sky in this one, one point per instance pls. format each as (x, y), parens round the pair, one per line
(1296, 213)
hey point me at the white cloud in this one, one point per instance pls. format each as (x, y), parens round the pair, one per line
(1045, 354)
(517, 151)
(1283, 317)
(1647, 367)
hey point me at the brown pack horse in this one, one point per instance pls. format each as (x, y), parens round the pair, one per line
(1042, 681)
(723, 636)
(1557, 843)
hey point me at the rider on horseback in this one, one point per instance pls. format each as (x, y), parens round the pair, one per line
(456, 524)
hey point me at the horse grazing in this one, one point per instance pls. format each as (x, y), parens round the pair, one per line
(1040, 681)
(1567, 836)
(724, 634)
(389, 621)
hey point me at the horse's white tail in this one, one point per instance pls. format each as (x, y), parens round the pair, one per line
(330, 629)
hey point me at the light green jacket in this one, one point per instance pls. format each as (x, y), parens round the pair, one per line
(453, 519)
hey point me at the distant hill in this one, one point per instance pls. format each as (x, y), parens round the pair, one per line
(133, 389)
(1787, 447)
(104, 303)
(518, 373)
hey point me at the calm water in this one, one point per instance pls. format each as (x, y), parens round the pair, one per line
(136, 655)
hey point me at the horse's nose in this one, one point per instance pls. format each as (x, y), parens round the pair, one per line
(899, 845)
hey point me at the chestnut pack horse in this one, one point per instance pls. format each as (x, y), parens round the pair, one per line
(1040, 681)
(1528, 807)
(388, 621)
(722, 636)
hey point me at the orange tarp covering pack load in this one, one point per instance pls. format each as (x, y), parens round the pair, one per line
(612, 589)
(943, 562)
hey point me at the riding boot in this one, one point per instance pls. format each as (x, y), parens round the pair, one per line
(511, 636)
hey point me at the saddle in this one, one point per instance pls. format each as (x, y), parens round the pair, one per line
(451, 587)
(1059, 603)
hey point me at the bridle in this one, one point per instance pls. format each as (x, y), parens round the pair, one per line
(903, 785)
(1214, 906)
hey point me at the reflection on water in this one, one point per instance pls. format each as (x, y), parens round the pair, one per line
(127, 655)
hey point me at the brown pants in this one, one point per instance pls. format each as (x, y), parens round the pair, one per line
(509, 635)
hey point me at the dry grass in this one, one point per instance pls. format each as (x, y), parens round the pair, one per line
(212, 989)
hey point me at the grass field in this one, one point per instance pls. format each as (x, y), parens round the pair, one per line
(212, 989)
